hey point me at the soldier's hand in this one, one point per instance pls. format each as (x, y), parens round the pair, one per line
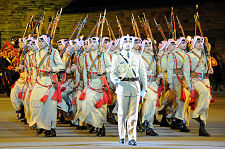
(160, 75)
(210, 70)
(49, 69)
(17, 69)
(21, 66)
(189, 89)
(101, 71)
(171, 86)
(73, 67)
(68, 70)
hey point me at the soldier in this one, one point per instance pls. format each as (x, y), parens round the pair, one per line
(127, 69)
(149, 104)
(175, 81)
(196, 71)
(16, 90)
(96, 66)
(137, 45)
(46, 92)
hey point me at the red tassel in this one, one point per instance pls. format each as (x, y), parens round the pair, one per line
(193, 107)
(63, 88)
(157, 103)
(13, 86)
(212, 100)
(20, 95)
(29, 94)
(193, 94)
(44, 98)
(107, 96)
(74, 101)
(99, 104)
(82, 95)
(183, 96)
(23, 97)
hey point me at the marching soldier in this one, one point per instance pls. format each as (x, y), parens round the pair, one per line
(175, 81)
(127, 69)
(46, 92)
(149, 104)
(196, 73)
(96, 66)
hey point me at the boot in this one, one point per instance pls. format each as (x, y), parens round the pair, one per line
(156, 122)
(164, 122)
(92, 130)
(101, 131)
(139, 127)
(40, 131)
(50, 133)
(184, 128)
(202, 131)
(176, 124)
(150, 132)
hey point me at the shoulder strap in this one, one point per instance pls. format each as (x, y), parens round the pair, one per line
(200, 60)
(127, 63)
(149, 64)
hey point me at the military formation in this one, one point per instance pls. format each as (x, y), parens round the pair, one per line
(129, 80)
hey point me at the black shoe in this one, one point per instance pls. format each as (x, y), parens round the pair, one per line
(121, 141)
(132, 143)
(183, 128)
(164, 122)
(156, 122)
(202, 131)
(101, 132)
(139, 127)
(175, 124)
(92, 130)
(33, 127)
(150, 132)
(40, 131)
(50, 133)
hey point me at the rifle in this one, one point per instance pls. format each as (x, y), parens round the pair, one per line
(160, 29)
(119, 26)
(36, 25)
(170, 27)
(49, 25)
(144, 27)
(112, 33)
(56, 20)
(82, 25)
(99, 23)
(79, 27)
(75, 29)
(102, 25)
(93, 29)
(40, 25)
(28, 25)
(148, 27)
(133, 25)
(180, 26)
(197, 22)
(136, 27)
(110, 36)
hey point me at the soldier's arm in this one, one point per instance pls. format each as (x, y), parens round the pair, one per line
(170, 64)
(85, 72)
(114, 70)
(107, 63)
(187, 70)
(58, 61)
(142, 73)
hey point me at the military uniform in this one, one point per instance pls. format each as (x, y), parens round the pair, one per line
(127, 69)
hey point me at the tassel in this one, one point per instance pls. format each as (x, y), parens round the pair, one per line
(74, 101)
(183, 96)
(99, 104)
(193, 94)
(212, 100)
(157, 103)
(193, 107)
(44, 98)
(20, 95)
(63, 88)
(30, 93)
(83, 95)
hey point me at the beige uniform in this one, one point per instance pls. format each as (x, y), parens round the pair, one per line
(196, 76)
(175, 77)
(45, 114)
(149, 104)
(93, 86)
(128, 92)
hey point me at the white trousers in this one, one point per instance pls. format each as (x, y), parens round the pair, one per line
(127, 111)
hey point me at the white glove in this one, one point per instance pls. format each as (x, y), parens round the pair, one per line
(143, 93)
(117, 82)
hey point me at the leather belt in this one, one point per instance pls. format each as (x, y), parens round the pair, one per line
(178, 71)
(129, 79)
(199, 75)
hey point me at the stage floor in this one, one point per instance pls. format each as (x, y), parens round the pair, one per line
(14, 134)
